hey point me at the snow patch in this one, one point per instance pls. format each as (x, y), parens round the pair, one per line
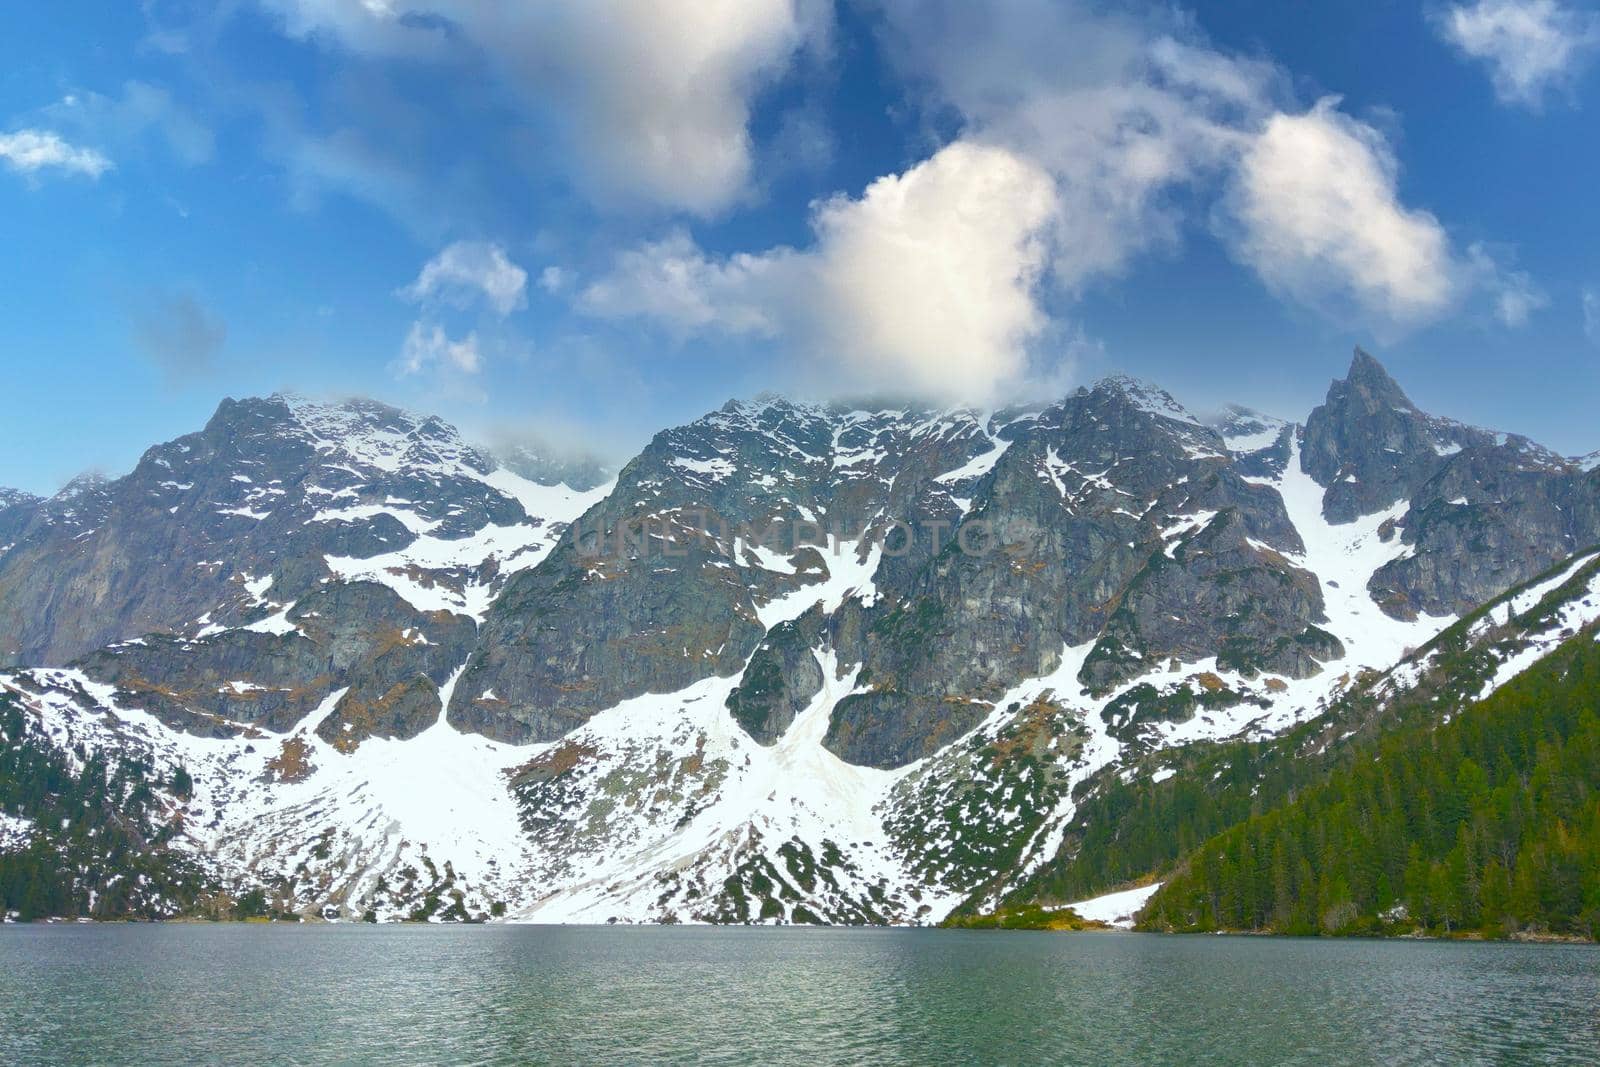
(1116, 909)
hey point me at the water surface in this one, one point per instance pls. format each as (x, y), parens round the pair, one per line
(408, 994)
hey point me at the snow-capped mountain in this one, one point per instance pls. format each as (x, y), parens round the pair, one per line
(231, 525)
(795, 662)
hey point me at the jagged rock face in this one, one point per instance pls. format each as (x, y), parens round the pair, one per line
(358, 636)
(781, 679)
(1491, 518)
(1216, 594)
(566, 642)
(1115, 516)
(401, 712)
(16, 509)
(1485, 511)
(1371, 447)
(1075, 502)
(206, 526)
(662, 583)
(1112, 520)
(739, 728)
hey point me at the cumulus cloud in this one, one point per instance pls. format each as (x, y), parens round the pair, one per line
(179, 334)
(925, 283)
(31, 151)
(1313, 207)
(1137, 118)
(1123, 110)
(553, 279)
(1086, 135)
(1529, 46)
(929, 277)
(468, 276)
(1319, 219)
(654, 96)
(428, 347)
(470, 270)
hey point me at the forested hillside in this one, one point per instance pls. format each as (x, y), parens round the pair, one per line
(1489, 824)
(88, 833)
(1129, 828)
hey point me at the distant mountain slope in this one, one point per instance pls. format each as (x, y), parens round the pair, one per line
(227, 526)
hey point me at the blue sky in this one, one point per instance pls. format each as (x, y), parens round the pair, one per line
(587, 219)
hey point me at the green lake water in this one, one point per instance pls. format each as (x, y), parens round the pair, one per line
(501, 994)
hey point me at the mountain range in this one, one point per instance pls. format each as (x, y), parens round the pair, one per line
(793, 662)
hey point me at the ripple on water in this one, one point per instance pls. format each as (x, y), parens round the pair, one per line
(259, 994)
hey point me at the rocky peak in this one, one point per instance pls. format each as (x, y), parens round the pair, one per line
(1369, 445)
(1369, 384)
(1476, 511)
(85, 484)
(1121, 417)
(273, 493)
(384, 437)
(1143, 396)
(1245, 429)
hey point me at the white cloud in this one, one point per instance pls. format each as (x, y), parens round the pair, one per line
(655, 95)
(1119, 110)
(467, 270)
(1529, 46)
(1319, 219)
(1514, 293)
(1591, 313)
(676, 284)
(1313, 207)
(928, 279)
(30, 151)
(1518, 298)
(1139, 120)
(427, 346)
(1086, 137)
(553, 279)
(926, 283)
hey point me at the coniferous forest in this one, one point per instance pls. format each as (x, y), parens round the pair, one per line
(101, 847)
(1487, 825)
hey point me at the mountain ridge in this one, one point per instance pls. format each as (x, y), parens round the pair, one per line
(718, 718)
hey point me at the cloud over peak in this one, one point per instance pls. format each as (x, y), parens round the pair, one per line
(926, 283)
(1071, 160)
(428, 347)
